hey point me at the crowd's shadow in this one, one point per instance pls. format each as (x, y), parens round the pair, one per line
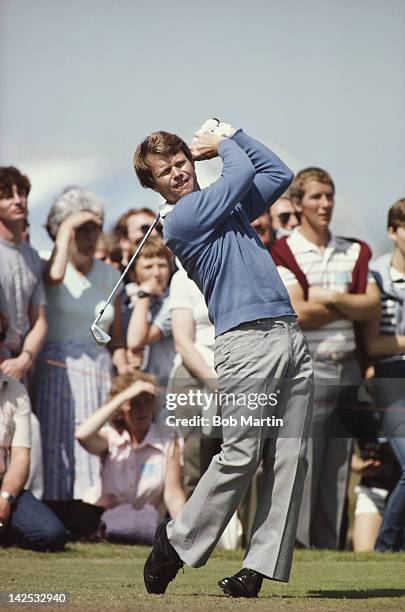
(353, 594)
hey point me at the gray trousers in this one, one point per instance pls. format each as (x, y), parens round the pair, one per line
(329, 457)
(269, 357)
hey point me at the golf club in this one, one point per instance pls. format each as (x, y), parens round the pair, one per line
(99, 335)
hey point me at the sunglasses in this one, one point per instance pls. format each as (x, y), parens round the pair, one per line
(144, 229)
(285, 217)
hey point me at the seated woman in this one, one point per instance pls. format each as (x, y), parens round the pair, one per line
(141, 474)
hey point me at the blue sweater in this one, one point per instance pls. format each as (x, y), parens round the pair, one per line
(210, 232)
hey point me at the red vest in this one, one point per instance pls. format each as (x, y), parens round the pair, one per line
(283, 256)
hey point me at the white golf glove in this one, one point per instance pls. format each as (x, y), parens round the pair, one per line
(215, 126)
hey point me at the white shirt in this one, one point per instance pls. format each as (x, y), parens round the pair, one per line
(15, 424)
(330, 269)
(184, 293)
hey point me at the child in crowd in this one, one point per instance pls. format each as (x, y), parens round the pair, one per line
(147, 321)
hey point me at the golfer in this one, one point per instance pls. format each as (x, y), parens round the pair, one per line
(260, 352)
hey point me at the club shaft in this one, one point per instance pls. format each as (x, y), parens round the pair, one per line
(129, 264)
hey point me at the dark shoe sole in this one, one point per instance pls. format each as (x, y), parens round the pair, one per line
(233, 588)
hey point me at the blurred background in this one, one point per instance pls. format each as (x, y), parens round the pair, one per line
(322, 82)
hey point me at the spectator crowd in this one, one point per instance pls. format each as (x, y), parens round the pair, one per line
(85, 451)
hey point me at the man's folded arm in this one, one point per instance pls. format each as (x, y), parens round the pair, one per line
(272, 176)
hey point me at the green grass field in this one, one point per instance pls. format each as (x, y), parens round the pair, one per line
(107, 576)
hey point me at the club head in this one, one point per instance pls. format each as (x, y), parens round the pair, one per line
(99, 335)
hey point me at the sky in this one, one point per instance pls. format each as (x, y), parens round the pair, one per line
(322, 82)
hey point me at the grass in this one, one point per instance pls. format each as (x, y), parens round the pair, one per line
(107, 576)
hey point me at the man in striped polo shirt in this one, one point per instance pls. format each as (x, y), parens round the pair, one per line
(330, 288)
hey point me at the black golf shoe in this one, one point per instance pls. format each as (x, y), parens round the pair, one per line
(245, 583)
(162, 564)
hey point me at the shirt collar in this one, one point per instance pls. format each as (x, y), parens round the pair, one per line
(153, 438)
(12, 245)
(164, 209)
(303, 245)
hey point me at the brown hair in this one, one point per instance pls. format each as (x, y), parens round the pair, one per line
(297, 188)
(109, 243)
(9, 176)
(121, 227)
(119, 384)
(396, 214)
(154, 247)
(157, 143)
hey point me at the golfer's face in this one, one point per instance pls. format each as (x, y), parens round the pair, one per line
(174, 175)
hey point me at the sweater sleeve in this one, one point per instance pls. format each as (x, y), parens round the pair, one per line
(272, 176)
(200, 213)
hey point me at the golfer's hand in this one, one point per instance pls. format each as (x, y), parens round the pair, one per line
(205, 145)
(138, 387)
(220, 129)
